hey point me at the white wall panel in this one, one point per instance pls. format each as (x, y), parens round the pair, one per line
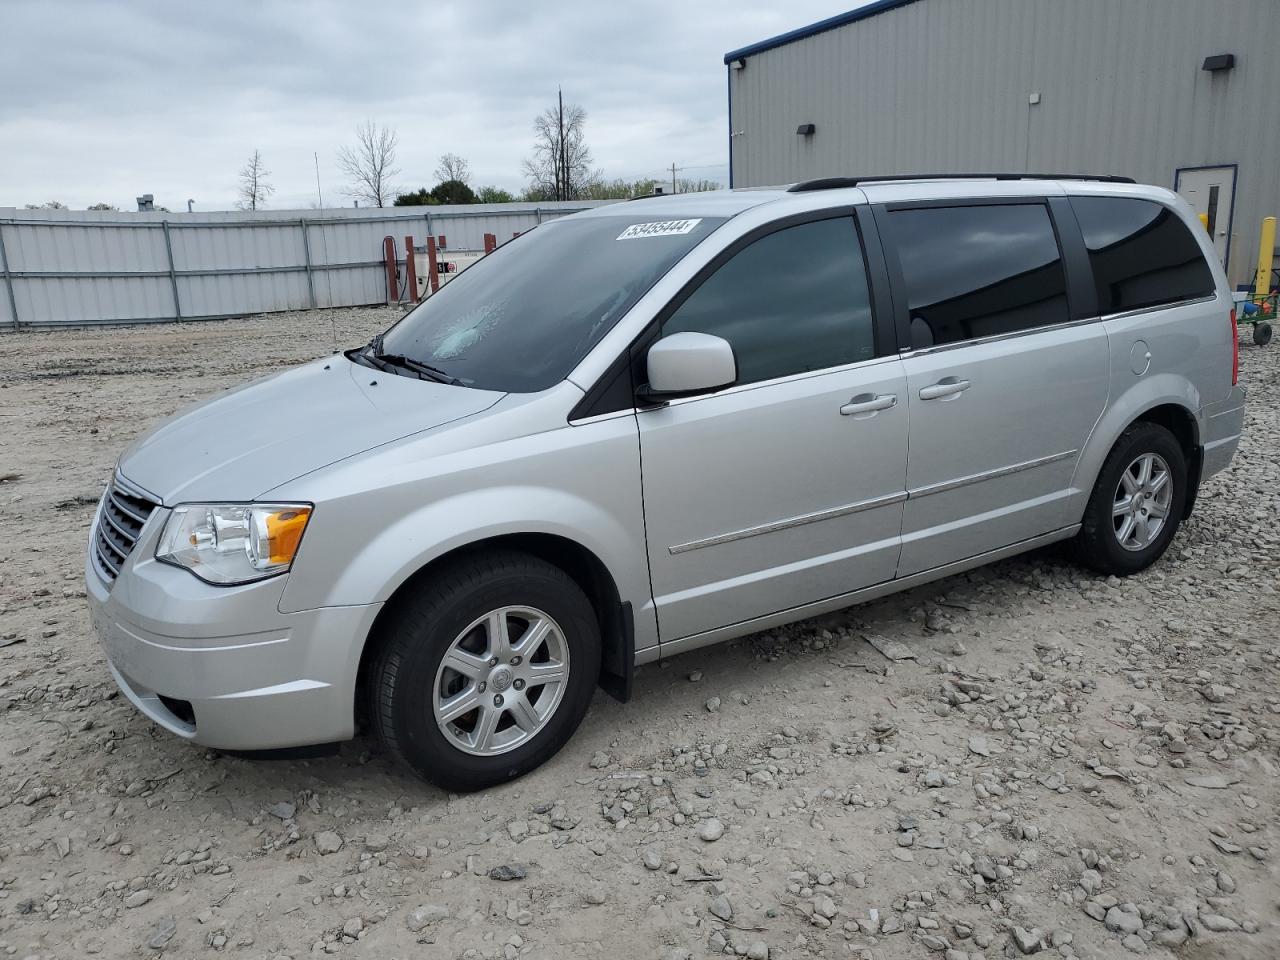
(79, 267)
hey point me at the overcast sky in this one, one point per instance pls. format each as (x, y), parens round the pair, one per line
(103, 100)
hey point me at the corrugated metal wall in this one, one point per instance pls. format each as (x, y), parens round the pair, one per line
(62, 267)
(943, 85)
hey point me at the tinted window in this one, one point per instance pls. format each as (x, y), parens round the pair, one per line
(792, 301)
(1141, 252)
(521, 318)
(979, 271)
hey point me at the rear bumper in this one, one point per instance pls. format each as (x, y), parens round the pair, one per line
(222, 667)
(1221, 426)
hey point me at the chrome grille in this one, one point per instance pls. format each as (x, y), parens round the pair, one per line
(124, 511)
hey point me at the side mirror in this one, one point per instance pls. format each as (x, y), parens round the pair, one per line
(688, 363)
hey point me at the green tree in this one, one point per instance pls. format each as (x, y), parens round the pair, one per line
(494, 195)
(417, 198)
(453, 191)
(102, 206)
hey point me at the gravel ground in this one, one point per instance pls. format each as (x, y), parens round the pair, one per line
(1066, 765)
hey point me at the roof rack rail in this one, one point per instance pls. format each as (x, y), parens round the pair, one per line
(835, 183)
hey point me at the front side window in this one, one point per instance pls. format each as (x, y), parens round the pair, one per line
(520, 319)
(979, 271)
(1141, 253)
(794, 300)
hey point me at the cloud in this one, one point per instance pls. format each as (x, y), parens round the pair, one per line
(105, 99)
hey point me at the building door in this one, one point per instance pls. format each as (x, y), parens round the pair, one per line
(1210, 190)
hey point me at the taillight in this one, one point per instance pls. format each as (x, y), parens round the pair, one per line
(1235, 349)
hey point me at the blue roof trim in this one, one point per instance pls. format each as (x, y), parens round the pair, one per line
(813, 29)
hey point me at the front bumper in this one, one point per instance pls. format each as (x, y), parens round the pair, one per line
(222, 666)
(1221, 426)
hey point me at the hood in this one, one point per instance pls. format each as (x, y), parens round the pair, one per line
(256, 437)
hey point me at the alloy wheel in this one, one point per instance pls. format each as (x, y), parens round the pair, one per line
(501, 680)
(1141, 503)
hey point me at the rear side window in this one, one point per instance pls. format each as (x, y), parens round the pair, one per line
(979, 271)
(792, 301)
(1141, 252)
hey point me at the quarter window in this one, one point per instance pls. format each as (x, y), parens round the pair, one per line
(1141, 252)
(979, 271)
(792, 301)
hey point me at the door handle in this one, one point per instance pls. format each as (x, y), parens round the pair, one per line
(946, 387)
(868, 403)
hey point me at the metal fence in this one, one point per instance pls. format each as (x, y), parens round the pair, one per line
(72, 268)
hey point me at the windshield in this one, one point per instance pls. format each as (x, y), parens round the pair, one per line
(521, 318)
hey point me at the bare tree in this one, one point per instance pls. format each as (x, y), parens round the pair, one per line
(370, 164)
(254, 186)
(453, 167)
(560, 168)
(697, 186)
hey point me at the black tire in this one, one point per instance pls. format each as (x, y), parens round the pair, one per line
(1262, 333)
(1096, 544)
(413, 637)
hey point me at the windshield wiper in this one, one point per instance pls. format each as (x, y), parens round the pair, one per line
(417, 366)
(368, 354)
(373, 355)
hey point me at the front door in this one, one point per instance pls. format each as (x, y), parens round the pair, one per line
(1209, 190)
(788, 487)
(1003, 389)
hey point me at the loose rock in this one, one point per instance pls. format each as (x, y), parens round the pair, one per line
(710, 830)
(327, 842)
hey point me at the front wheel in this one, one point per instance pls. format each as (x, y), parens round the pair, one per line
(486, 672)
(1262, 333)
(1137, 502)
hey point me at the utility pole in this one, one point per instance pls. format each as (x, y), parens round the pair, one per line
(562, 182)
(319, 195)
(673, 178)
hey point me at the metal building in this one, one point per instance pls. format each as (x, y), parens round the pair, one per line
(1182, 93)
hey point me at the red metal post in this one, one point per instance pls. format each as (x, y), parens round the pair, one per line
(490, 243)
(516, 235)
(389, 257)
(432, 275)
(411, 273)
(440, 242)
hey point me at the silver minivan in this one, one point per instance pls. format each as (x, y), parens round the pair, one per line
(654, 426)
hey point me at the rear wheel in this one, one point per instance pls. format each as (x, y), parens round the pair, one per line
(1137, 502)
(487, 672)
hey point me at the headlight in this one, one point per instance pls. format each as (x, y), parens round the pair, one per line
(228, 543)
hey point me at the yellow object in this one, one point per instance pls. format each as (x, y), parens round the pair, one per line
(1266, 250)
(284, 532)
(1204, 220)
